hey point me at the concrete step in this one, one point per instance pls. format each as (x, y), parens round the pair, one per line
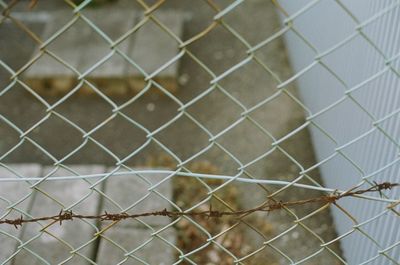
(74, 242)
(15, 200)
(139, 244)
(54, 243)
(131, 194)
(81, 47)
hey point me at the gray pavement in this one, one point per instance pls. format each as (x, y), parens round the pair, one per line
(74, 242)
(219, 50)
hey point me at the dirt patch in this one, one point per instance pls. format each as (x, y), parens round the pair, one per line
(228, 232)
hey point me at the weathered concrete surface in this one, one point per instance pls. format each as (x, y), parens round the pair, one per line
(49, 67)
(55, 242)
(219, 50)
(49, 77)
(131, 193)
(81, 47)
(18, 195)
(96, 47)
(153, 48)
(118, 241)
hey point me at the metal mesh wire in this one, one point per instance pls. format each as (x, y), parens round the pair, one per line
(225, 153)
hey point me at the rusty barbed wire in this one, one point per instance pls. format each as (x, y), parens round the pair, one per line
(269, 206)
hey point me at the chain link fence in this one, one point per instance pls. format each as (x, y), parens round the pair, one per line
(173, 132)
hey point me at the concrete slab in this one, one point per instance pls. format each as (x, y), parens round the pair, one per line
(118, 241)
(61, 46)
(47, 73)
(81, 46)
(153, 47)
(55, 243)
(130, 192)
(16, 195)
(96, 47)
(107, 77)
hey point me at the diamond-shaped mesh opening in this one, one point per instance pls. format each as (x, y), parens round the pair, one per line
(12, 139)
(27, 151)
(209, 117)
(123, 148)
(69, 138)
(239, 87)
(18, 114)
(152, 154)
(382, 78)
(240, 131)
(145, 109)
(344, 73)
(116, 247)
(218, 58)
(346, 26)
(376, 36)
(361, 146)
(332, 86)
(84, 112)
(21, 43)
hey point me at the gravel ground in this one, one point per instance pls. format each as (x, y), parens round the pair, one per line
(219, 50)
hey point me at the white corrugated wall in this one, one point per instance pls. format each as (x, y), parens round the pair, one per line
(376, 94)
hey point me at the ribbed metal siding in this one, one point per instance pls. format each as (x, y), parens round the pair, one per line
(324, 25)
